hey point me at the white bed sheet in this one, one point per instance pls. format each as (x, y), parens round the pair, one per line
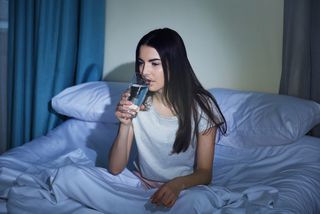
(282, 179)
(293, 169)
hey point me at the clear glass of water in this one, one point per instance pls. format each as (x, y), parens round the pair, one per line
(138, 91)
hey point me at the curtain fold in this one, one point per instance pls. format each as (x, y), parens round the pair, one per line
(301, 51)
(52, 45)
(3, 74)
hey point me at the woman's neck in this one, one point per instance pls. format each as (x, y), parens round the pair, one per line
(161, 105)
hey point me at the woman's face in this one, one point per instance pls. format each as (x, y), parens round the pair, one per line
(150, 67)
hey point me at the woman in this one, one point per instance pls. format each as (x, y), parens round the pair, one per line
(176, 127)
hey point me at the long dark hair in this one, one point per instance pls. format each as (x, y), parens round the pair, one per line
(182, 90)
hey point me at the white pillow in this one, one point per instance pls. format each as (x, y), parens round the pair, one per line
(91, 101)
(264, 119)
(253, 118)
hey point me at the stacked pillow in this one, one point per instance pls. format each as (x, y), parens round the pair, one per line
(264, 119)
(253, 118)
(91, 101)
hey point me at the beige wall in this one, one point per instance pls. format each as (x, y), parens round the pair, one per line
(230, 43)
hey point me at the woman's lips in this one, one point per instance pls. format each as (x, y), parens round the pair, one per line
(148, 81)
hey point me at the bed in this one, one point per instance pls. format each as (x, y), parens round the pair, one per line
(265, 164)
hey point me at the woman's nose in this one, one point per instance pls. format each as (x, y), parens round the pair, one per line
(145, 70)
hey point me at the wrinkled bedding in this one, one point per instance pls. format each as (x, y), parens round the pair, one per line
(64, 172)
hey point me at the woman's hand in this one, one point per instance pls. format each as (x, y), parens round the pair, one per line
(123, 111)
(167, 194)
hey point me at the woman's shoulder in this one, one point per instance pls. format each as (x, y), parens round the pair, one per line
(205, 100)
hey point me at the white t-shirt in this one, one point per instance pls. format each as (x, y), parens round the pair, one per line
(155, 135)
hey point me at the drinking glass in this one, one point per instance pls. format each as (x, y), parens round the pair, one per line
(138, 91)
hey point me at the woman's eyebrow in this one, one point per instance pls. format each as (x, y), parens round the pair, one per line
(150, 60)
(154, 59)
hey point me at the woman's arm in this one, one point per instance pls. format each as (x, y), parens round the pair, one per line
(120, 150)
(168, 193)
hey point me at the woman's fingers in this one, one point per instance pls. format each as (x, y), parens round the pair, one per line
(125, 95)
(168, 200)
(124, 102)
(164, 197)
(124, 111)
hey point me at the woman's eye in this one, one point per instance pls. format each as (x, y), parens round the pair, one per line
(155, 64)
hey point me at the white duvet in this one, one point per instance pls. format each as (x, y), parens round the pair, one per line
(63, 173)
(71, 184)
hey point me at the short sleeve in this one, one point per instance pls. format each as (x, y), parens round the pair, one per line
(204, 122)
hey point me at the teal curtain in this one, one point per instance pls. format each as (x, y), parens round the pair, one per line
(52, 44)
